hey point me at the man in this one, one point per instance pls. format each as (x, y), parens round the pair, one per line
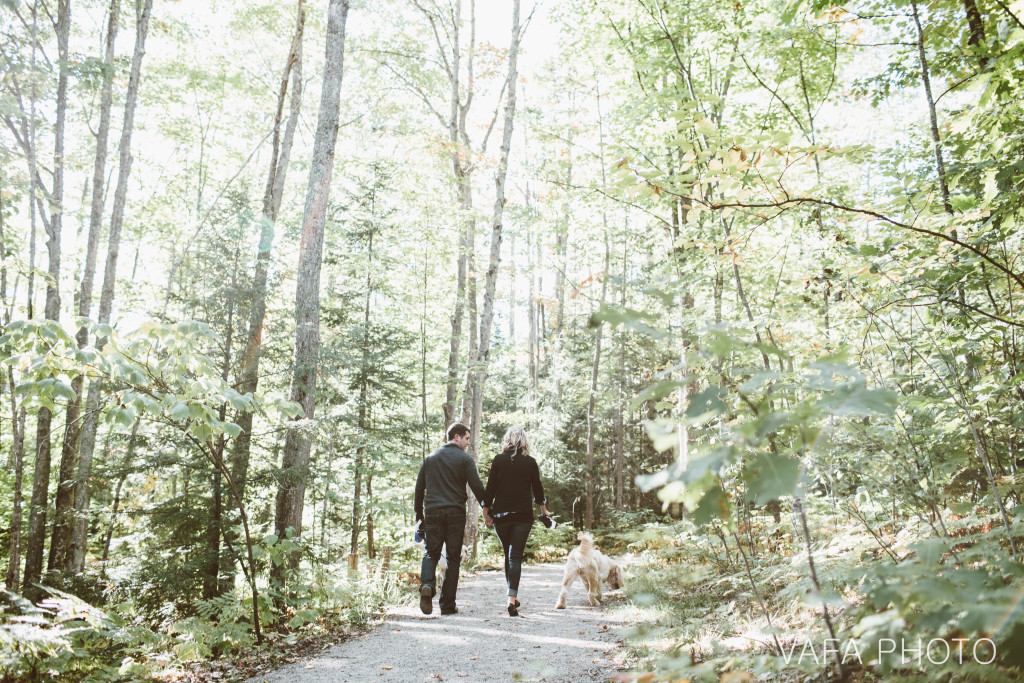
(441, 505)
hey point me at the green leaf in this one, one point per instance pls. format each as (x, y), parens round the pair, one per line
(770, 476)
(713, 505)
(706, 403)
(930, 551)
(860, 402)
(62, 390)
(179, 411)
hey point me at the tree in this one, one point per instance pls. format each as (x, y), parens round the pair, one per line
(282, 141)
(66, 492)
(295, 460)
(36, 537)
(143, 10)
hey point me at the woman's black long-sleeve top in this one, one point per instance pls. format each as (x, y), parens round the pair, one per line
(509, 485)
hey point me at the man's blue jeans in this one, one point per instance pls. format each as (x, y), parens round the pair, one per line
(443, 527)
(513, 536)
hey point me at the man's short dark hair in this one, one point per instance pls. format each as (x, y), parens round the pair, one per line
(456, 429)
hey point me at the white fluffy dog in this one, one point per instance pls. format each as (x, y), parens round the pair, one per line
(590, 564)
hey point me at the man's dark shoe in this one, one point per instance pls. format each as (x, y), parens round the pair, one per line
(426, 599)
(446, 612)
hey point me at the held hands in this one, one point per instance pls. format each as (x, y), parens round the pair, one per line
(487, 518)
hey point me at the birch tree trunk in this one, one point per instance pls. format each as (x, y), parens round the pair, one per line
(494, 260)
(364, 382)
(13, 574)
(462, 171)
(592, 394)
(248, 380)
(620, 438)
(295, 461)
(41, 477)
(63, 531)
(18, 415)
(143, 9)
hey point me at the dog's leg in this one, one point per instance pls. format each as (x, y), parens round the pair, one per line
(593, 586)
(567, 580)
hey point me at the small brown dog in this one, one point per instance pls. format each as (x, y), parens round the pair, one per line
(590, 565)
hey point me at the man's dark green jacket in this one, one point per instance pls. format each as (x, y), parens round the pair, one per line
(443, 478)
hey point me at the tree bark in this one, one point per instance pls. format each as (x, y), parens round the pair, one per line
(940, 164)
(63, 531)
(531, 315)
(620, 439)
(143, 10)
(592, 396)
(494, 260)
(213, 584)
(12, 576)
(248, 380)
(295, 462)
(41, 477)
(977, 31)
(562, 242)
(364, 407)
(462, 172)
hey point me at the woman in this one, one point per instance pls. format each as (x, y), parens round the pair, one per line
(514, 476)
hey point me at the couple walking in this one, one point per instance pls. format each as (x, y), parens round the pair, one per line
(440, 504)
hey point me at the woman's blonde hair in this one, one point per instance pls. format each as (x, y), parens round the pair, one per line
(516, 441)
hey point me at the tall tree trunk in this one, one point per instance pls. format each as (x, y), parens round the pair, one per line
(494, 261)
(295, 462)
(327, 497)
(28, 127)
(620, 440)
(248, 379)
(512, 290)
(12, 576)
(41, 477)
(531, 315)
(357, 495)
(364, 404)
(143, 9)
(462, 172)
(977, 31)
(371, 550)
(63, 531)
(213, 585)
(562, 242)
(424, 438)
(940, 164)
(473, 357)
(592, 394)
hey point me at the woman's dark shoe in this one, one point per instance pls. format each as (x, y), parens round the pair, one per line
(512, 611)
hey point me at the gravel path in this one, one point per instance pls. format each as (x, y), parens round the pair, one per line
(481, 643)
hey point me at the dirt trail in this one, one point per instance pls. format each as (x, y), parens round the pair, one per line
(482, 643)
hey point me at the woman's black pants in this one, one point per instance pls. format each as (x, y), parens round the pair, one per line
(513, 537)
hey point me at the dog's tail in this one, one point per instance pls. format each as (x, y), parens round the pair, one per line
(586, 543)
